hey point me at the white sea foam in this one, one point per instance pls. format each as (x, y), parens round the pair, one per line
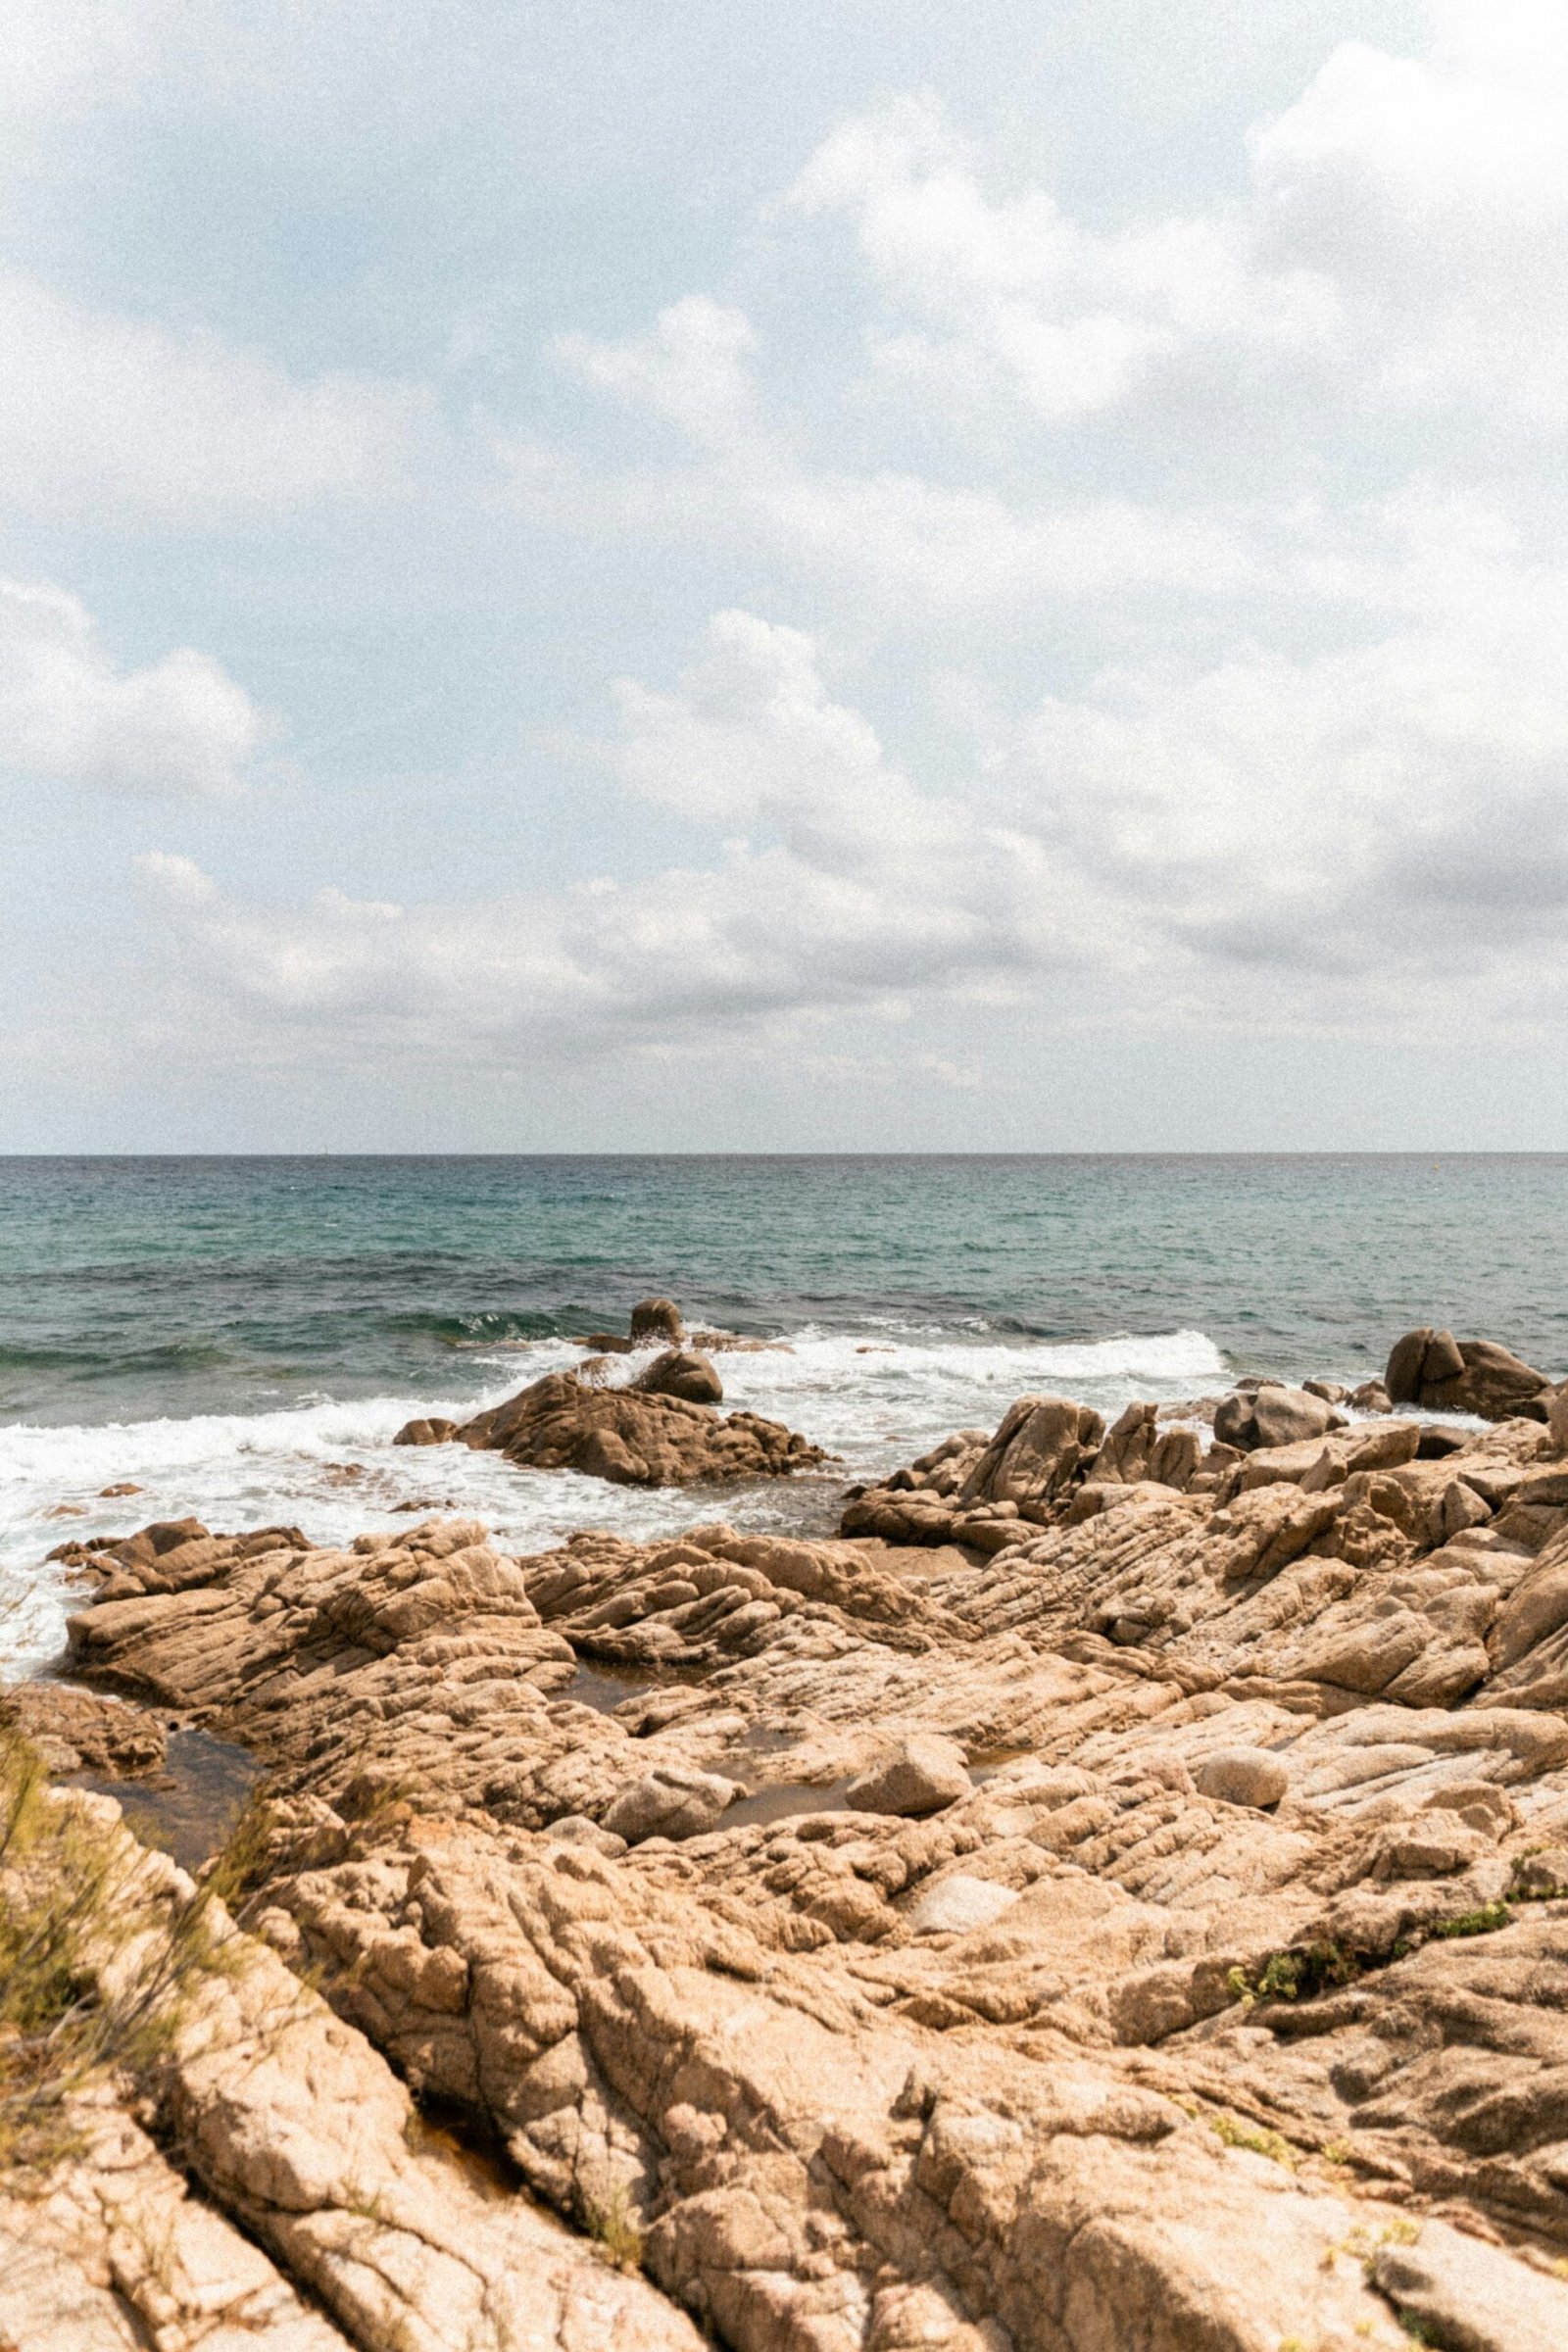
(873, 1398)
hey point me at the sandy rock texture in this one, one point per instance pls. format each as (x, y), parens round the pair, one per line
(250, 2172)
(1077, 1909)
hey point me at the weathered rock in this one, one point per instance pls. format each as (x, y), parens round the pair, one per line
(328, 2219)
(436, 1431)
(1243, 1776)
(672, 1801)
(920, 1775)
(1243, 1944)
(78, 1731)
(1557, 1419)
(1442, 1374)
(1137, 1448)
(1271, 1415)
(681, 1372)
(633, 1437)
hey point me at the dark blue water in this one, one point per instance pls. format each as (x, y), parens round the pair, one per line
(240, 1339)
(137, 1287)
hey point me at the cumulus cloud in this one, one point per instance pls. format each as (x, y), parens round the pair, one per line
(852, 891)
(1250, 843)
(68, 713)
(106, 414)
(1400, 244)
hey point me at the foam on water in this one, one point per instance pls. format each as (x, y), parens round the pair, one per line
(873, 1397)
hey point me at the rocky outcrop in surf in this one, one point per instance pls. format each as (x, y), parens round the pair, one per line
(1117, 1893)
(656, 1433)
(1445, 1375)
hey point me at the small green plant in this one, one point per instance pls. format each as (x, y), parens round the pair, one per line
(1296, 1974)
(96, 1961)
(1262, 2142)
(615, 2231)
(1485, 1922)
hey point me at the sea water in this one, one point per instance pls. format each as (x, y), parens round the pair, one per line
(240, 1339)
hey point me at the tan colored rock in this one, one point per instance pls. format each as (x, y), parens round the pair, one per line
(1271, 1415)
(1243, 1776)
(1030, 2062)
(672, 1801)
(436, 1431)
(78, 1731)
(633, 1439)
(920, 1775)
(681, 1372)
(1434, 1370)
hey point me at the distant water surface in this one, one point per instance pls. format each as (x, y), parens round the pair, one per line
(239, 1338)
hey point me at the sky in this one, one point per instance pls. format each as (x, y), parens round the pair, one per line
(861, 574)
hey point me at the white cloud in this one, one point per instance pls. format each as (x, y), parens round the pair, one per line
(1375, 838)
(68, 713)
(856, 893)
(106, 414)
(1402, 244)
(691, 367)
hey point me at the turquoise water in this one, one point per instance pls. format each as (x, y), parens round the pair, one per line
(239, 1338)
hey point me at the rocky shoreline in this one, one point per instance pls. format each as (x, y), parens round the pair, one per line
(1114, 1894)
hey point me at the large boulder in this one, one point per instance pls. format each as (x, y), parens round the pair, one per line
(1445, 1375)
(1042, 1444)
(632, 1439)
(681, 1372)
(1136, 1448)
(1271, 1414)
(922, 1775)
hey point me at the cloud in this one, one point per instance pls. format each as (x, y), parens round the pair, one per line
(691, 368)
(1400, 246)
(854, 892)
(66, 713)
(108, 416)
(1379, 826)
(1257, 844)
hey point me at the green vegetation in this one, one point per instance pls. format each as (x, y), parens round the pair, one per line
(1303, 1971)
(1296, 1974)
(1485, 1922)
(1262, 2142)
(616, 2234)
(96, 1964)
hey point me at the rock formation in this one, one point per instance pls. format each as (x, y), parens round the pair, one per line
(636, 1436)
(1445, 1375)
(659, 1323)
(1136, 1915)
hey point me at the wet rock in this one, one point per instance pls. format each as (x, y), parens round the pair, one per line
(436, 1432)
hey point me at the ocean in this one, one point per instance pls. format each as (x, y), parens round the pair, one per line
(240, 1338)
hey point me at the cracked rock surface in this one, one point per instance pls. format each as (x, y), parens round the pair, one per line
(1114, 1896)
